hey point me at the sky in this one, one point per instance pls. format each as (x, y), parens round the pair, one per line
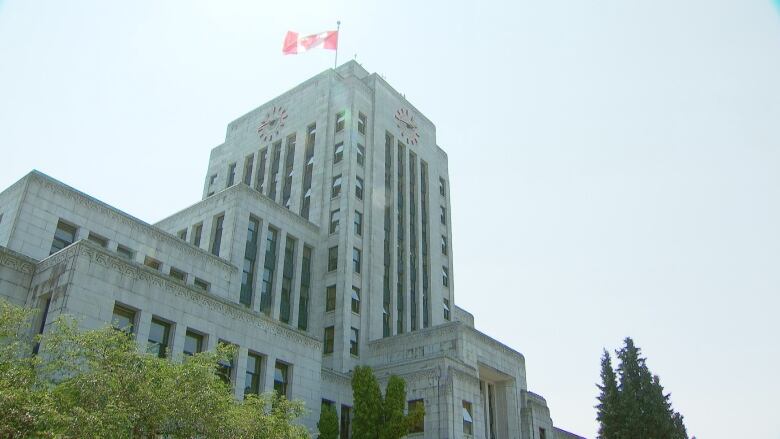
(614, 165)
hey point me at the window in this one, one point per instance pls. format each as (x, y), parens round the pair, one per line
(212, 178)
(260, 177)
(468, 420)
(216, 241)
(178, 274)
(269, 268)
(334, 221)
(419, 425)
(197, 231)
(442, 187)
(273, 177)
(201, 284)
(356, 260)
(303, 302)
(250, 257)
(446, 309)
(125, 252)
(287, 277)
(254, 363)
(231, 174)
(340, 121)
(358, 223)
(333, 258)
(182, 234)
(445, 276)
(281, 378)
(359, 188)
(542, 433)
(335, 189)
(443, 245)
(355, 300)
(327, 346)
(330, 298)
(289, 161)
(193, 343)
(362, 123)
(353, 341)
(99, 240)
(249, 161)
(346, 417)
(152, 263)
(64, 236)
(123, 319)
(338, 152)
(361, 154)
(443, 215)
(159, 334)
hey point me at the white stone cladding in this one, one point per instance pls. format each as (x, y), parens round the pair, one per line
(191, 269)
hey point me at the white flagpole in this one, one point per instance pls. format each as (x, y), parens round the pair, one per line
(336, 60)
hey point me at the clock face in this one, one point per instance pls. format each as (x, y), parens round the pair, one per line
(407, 126)
(272, 124)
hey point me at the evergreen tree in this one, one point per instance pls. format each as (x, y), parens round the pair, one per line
(608, 399)
(394, 421)
(367, 404)
(328, 425)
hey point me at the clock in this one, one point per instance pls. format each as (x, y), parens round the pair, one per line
(272, 124)
(407, 126)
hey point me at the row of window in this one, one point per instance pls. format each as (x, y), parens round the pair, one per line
(335, 222)
(330, 334)
(159, 343)
(333, 259)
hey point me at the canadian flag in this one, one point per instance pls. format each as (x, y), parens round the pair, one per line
(293, 44)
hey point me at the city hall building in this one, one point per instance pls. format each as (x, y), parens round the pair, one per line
(322, 241)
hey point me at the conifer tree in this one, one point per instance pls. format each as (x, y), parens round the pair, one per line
(328, 425)
(608, 399)
(367, 404)
(394, 421)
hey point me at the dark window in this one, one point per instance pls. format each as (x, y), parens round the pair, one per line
(442, 187)
(335, 189)
(328, 341)
(159, 334)
(359, 188)
(281, 378)
(64, 236)
(178, 274)
(248, 163)
(287, 276)
(212, 178)
(355, 299)
(361, 154)
(419, 425)
(358, 223)
(260, 177)
(446, 309)
(152, 263)
(99, 240)
(216, 241)
(443, 215)
(330, 298)
(346, 417)
(193, 343)
(303, 302)
(254, 365)
(197, 231)
(542, 433)
(273, 178)
(445, 276)
(362, 123)
(182, 234)
(123, 319)
(354, 336)
(338, 152)
(340, 121)
(231, 174)
(443, 245)
(333, 258)
(468, 420)
(201, 284)
(269, 268)
(334, 221)
(356, 260)
(125, 252)
(289, 161)
(250, 258)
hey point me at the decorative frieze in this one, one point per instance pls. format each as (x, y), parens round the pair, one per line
(15, 263)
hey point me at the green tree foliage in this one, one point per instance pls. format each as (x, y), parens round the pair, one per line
(376, 417)
(96, 383)
(632, 403)
(328, 425)
(394, 424)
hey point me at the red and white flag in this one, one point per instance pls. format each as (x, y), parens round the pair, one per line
(293, 44)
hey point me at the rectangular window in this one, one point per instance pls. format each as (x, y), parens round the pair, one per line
(123, 319)
(125, 252)
(250, 258)
(359, 188)
(193, 343)
(354, 336)
(182, 234)
(330, 298)
(64, 236)
(362, 123)
(542, 433)
(333, 258)
(216, 241)
(197, 231)
(468, 420)
(178, 274)
(231, 174)
(289, 161)
(419, 425)
(327, 345)
(260, 177)
(355, 300)
(443, 215)
(346, 417)
(308, 170)
(334, 221)
(338, 152)
(273, 178)
(356, 260)
(99, 240)
(443, 245)
(281, 378)
(201, 284)
(340, 121)
(361, 154)
(358, 223)
(159, 335)
(335, 189)
(269, 268)
(254, 365)
(303, 302)
(446, 309)
(212, 179)
(287, 277)
(249, 161)
(445, 276)
(442, 187)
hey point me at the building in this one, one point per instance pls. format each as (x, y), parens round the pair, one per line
(322, 242)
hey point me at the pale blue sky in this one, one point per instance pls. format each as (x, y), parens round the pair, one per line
(631, 149)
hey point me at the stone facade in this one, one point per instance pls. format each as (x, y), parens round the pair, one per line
(322, 242)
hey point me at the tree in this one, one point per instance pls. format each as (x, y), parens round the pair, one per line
(328, 425)
(632, 403)
(96, 383)
(394, 424)
(381, 418)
